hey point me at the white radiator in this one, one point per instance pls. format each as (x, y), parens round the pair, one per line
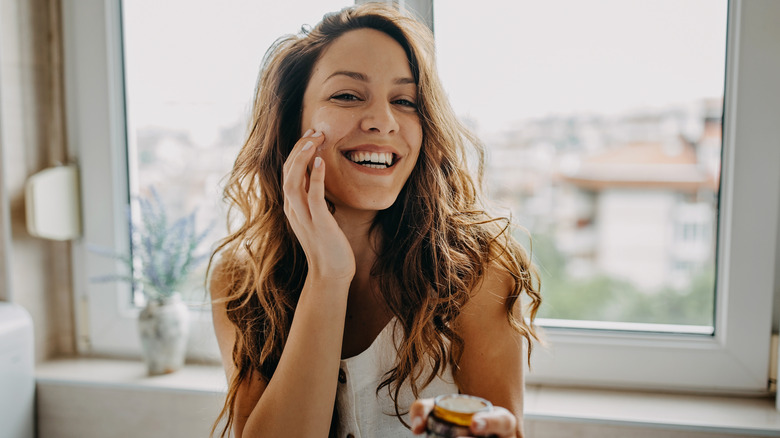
(17, 379)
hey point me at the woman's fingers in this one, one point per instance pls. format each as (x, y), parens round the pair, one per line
(316, 197)
(496, 422)
(295, 167)
(418, 414)
(295, 174)
(295, 150)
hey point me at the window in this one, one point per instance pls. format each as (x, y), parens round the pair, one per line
(188, 96)
(179, 88)
(602, 147)
(602, 122)
(729, 351)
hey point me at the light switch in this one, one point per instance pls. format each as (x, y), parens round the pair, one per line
(53, 203)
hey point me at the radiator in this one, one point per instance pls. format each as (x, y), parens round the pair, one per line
(17, 380)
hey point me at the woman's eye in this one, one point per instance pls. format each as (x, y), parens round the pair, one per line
(346, 97)
(405, 102)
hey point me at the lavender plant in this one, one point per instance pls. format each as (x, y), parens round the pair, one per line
(163, 254)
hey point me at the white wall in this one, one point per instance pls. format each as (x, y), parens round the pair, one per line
(36, 272)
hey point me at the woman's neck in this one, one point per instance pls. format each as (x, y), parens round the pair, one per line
(356, 225)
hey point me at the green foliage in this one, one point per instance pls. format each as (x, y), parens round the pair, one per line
(603, 298)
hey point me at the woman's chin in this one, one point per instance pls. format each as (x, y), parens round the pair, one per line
(366, 205)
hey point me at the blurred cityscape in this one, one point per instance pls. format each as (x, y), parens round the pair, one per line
(627, 202)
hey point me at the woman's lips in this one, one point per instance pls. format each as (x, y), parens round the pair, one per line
(374, 160)
(372, 157)
(369, 166)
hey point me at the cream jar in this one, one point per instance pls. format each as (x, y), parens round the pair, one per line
(451, 415)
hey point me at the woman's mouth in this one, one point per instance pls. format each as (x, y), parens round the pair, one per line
(374, 160)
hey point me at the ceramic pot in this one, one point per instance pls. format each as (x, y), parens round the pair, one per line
(164, 328)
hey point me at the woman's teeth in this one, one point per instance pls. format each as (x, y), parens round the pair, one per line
(375, 160)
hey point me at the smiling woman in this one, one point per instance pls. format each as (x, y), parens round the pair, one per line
(362, 96)
(382, 282)
(733, 359)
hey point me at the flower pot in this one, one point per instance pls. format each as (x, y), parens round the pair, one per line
(163, 325)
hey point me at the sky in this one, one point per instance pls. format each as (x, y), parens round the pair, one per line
(192, 65)
(537, 58)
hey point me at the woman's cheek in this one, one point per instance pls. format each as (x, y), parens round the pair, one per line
(332, 122)
(323, 127)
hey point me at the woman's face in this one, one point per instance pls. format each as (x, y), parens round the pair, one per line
(362, 96)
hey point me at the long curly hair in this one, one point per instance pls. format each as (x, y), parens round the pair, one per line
(436, 240)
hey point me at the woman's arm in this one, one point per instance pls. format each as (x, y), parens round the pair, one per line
(251, 389)
(494, 353)
(492, 363)
(298, 399)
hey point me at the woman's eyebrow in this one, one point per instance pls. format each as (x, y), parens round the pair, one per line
(351, 74)
(363, 78)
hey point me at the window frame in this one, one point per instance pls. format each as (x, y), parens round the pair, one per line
(95, 105)
(734, 360)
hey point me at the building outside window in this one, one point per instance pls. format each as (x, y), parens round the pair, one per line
(599, 144)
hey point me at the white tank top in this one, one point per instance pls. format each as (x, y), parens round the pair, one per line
(364, 413)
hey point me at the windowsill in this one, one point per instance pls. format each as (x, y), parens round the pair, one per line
(743, 416)
(120, 373)
(543, 404)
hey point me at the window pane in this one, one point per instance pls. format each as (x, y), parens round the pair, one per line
(602, 121)
(190, 72)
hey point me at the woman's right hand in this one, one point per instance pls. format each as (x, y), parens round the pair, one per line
(498, 422)
(327, 249)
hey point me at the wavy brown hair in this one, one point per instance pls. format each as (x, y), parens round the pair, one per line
(436, 240)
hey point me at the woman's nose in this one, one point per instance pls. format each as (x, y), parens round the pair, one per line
(379, 117)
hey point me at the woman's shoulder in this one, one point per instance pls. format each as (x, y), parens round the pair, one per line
(224, 275)
(492, 290)
(486, 312)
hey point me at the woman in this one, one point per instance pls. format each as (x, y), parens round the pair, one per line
(363, 273)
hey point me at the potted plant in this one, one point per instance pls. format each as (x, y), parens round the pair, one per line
(163, 255)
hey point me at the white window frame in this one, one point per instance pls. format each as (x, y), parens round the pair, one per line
(95, 105)
(735, 360)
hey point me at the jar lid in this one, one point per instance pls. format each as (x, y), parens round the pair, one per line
(459, 408)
